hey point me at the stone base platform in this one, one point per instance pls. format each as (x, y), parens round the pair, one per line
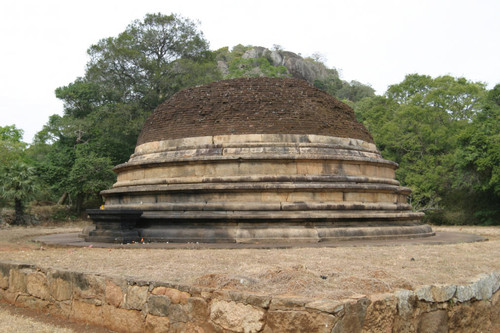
(276, 232)
(439, 238)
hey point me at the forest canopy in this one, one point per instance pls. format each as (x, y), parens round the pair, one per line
(444, 132)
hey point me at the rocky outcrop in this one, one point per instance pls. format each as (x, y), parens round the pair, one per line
(131, 305)
(297, 66)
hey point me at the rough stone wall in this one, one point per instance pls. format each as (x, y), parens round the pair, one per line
(128, 305)
(252, 106)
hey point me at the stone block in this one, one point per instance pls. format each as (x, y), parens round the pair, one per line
(60, 289)
(113, 294)
(495, 309)
(443, 293)
(406, 302)
(237, 317)
(4, 281)
(158, 305)
(486, 286)
(190, 328)
(325, 305)
(177, 313)
(354, 316)
(298, 321)
(381, 313)
(122, 320)
(4, 275)
(86, 312)
(136, 297)
(61, 309)
(465, 293)
(8, 296)
(261, 301)
(17, 279)
(37, 285)
(33, 303)
(424, 293)
(175, 296)
(288, 303)
(198, 310)
(155, 324)
(470, 317)
(88, 288)
(436, 293)
(433, 322)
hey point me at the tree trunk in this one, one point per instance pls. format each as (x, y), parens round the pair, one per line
(79, 202)
(63, 198)
(19, 208)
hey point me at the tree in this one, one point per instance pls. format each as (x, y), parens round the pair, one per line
(421, 124)
(11, 146)
(142, 63)
(89, 175)
(127, 77)
(477, 169)
(19, 184)
(18, 181)
(460, 98)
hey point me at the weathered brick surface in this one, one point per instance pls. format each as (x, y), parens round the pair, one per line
(252, 106)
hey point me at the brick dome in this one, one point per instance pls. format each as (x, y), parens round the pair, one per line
(252, 106)
(255, 160)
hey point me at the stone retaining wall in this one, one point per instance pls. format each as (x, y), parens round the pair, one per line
(130, 305)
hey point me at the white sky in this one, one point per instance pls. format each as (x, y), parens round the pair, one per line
(43, 43)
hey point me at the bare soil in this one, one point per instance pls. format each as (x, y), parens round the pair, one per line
(19, 320)
(334, 273)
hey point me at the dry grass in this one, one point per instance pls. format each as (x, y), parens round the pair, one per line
(15, 319)
(11, 323)
(313, 272)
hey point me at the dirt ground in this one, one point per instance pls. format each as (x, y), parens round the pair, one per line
(333, 273)
(19, 320)
(313, 272)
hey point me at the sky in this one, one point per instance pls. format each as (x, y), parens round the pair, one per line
(44, 43)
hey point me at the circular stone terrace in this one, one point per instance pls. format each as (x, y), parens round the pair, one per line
(255, 160)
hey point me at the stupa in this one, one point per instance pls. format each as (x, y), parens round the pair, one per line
(255, 160)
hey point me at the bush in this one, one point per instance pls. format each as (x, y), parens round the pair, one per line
(52, 213)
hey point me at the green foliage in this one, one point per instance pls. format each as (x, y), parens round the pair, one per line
(460, 98)
(255, 67)
(18, 181)
(80, 98)
(89, 175)
(444, 133)
(10, 134)
(353, 91)
(18, 184)
(331, 85)
(11, 146)
(141, 63)
(235, 66)
(127, 77)
(477, 171)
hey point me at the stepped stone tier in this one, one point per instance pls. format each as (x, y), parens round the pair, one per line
(257, 160)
